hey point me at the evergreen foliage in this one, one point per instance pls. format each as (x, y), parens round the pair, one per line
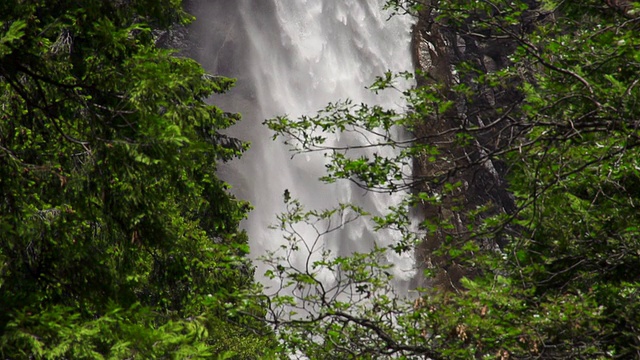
(117, 240)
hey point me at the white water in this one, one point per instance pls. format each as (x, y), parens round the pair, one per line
(293, 57)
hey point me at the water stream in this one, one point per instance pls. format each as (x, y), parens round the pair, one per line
(293, 57)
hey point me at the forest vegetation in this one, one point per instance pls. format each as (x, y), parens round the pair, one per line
(118, 240)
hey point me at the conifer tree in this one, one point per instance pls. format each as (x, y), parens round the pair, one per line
(117, 239)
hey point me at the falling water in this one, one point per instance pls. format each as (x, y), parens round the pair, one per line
(293, 57)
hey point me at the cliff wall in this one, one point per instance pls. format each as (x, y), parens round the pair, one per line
(469, 136)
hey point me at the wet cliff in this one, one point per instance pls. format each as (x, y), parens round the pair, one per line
(468, 135)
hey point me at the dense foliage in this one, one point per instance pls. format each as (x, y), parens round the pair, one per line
(117, 240)
(116, 237)
(555, 275)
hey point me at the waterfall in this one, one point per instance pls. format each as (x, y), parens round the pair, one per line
(293, 57)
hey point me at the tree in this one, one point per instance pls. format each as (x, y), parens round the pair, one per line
(116, 237)
(536, 101)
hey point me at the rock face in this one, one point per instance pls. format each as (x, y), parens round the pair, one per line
(469, 159)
